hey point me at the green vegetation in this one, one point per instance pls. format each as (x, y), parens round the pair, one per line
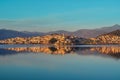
(53, 41)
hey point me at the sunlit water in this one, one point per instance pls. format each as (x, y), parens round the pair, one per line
(31, 62)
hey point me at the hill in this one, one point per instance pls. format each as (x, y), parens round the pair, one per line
(108, 38)
(5, 34)
(85, 33)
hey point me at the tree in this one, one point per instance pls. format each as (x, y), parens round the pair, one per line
(53, 41)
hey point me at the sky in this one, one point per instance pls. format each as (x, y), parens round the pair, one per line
(51, 15)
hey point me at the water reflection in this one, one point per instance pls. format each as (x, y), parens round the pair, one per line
(113, 51)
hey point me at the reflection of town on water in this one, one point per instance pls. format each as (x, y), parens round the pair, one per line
(113, 51)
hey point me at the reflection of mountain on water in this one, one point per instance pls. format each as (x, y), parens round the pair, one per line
(107, 50)
(7, 52)
(4, 52)
(113, 51)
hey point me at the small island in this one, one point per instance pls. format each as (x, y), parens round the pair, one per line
(62, 39)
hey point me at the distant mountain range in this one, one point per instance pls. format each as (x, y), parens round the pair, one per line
(85, 33)
(5, 34)
(88, 33)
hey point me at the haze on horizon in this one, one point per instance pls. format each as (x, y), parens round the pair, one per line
(51, 15)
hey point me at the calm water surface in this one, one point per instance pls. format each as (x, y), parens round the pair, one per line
(35, 62)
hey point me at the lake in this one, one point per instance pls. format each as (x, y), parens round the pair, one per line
(44, 62)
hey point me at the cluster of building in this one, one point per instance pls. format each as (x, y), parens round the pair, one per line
(56, 39)
(106, 39)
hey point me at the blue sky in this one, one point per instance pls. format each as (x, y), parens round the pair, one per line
(51, 15)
